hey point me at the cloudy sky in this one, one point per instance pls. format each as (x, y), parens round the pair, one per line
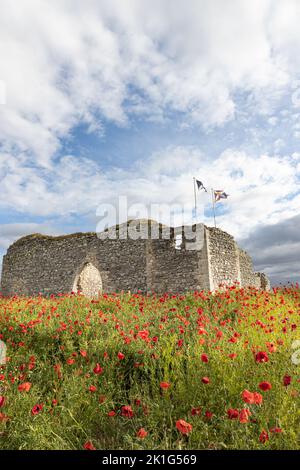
(101, 98)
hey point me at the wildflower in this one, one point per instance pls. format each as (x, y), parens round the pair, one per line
(264, 437)
(2, 401)
(70, 361)
(36, 409)
(252, 397)
(276, 430)
(232, 413)
(143, 334)
(92, 388)
(121, 356)
(142, 433)
(98, 369)
(265, 386)
(271, 347)
(127, 411)
(24, 387)
(111, 413)
(205, 380)
(89, 446)
(208, 414)
(204, 357)
(164, 385)
(287, 379)
(244, 415)
(261, 356)
(183, 426)
(196, 411)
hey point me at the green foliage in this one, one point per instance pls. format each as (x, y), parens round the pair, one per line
(153, 353)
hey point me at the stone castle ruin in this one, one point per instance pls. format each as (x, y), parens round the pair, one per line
(140, 255)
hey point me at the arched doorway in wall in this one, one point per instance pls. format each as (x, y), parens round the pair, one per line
(88, 282)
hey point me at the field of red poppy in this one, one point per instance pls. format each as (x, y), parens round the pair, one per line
(199, 371)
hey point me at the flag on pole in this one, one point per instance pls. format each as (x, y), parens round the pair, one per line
(220, 194)
(200, 185)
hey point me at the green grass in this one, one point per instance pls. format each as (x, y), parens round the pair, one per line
(176, 331)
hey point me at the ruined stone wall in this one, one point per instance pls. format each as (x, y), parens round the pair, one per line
(223, 258)
(51, 264)
(170, 269)
(40, 264)
(248, 277)
(180, 269)
(262, 281)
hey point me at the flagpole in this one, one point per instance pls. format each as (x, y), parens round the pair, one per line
(213, 205)
(195, 197)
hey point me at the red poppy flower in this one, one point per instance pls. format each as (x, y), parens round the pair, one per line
(204, 357)
(252, 397)
(232, 356)
(287, 379)
(121, 356)
(208, 414)
(127, 411)
(264, 436)
(183, 426)
(2, 401)
(89, 446)
(276, 430)
(92, 388)
(196, 411)
(143, 334)
(111, 413)
(261, 356)
(205, 380)
(244, 415)
(37, 409)
(24, 387)
(271, 347)
(164, 385)
(98, 369)
(142, 433)
(265, 386)
(232, 413)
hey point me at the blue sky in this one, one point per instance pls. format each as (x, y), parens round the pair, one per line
(106, 98)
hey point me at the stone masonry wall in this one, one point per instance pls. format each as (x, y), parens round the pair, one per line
(181, 269)
(51, 264)
(40, 264)
(223, 258)
(248, 277)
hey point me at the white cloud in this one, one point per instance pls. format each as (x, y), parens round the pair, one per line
(67, 62)
(70, 62)
(263, 189)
